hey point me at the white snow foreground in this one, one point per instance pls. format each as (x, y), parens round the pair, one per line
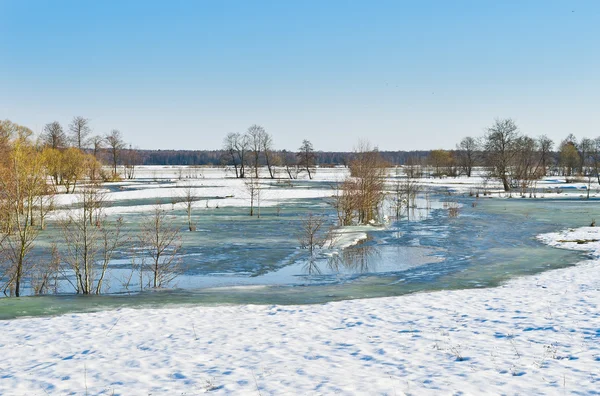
(533, 335)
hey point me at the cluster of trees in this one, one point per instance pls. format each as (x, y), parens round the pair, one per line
(32, 171)
(513, 158)
(220, 157)
(250, 150)
(359, 197)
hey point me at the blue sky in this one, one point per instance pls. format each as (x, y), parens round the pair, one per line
(403, 74)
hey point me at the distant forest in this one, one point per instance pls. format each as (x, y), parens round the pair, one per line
(218, 157)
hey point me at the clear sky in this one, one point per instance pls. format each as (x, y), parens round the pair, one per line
(403, 74)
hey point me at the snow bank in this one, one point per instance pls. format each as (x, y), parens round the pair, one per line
(533, 335)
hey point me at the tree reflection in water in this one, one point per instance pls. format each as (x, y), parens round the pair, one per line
(356, 260)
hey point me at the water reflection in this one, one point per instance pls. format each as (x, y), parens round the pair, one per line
(361, 259)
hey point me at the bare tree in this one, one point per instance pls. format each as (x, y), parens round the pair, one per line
(267, 149)
(160, 241)
(97, 143)
(253, 189)
(131, 158)
(91, 241)
(290, 163)
(306, 157)
(313, 233)
(188, 197)
(499, 147)
(404, 194)
(466, 152)
(527, 164)
(256, 136)
(595, 159)
(80, 130)
(344, 201)
(45, 275)
(545, 145)
(368, 172)
(585, 148)
(236, 147)
(115, 143)
(229, 146)
(54, 136)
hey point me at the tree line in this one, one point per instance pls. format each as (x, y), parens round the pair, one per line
(513, 158)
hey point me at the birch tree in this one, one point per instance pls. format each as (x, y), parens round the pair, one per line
(160, 242)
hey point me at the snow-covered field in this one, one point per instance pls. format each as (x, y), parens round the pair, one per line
(168, 182)
(533, 335)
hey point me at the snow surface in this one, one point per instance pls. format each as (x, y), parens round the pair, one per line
(533, 335)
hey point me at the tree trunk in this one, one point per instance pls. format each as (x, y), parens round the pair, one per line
(505, 183)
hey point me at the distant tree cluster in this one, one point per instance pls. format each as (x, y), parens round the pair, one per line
(250, 150)
(513, 158)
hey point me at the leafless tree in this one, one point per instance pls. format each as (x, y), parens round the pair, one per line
(500, 150)
(545, 145)
(360, 196)
(97, 143)
(595, 159)
(313, 233)
(188, 197)
(236, 146)
(160, 242)
(254, 191)
(131, 158)
(256, 136)
(44, 276)
(344, 199)
(527, 164)
(115, 143)
(267, 149)
(466, 152)
(54, 136)
(368, 172)
(585, 148)
(404, 194)
(91, 241)
(290, 163)
(80, 130)
(306, 157)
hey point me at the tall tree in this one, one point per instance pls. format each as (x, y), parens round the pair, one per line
(80, 130)
(367, 170)
(54, 136)
(569, 158)
(97, 143)
(499, 147)
(22, 183)
(115, 143)
(161, 241)
(545, 145)
(256, 136)
(306, 156)
(236, 147)
(466, 152)
(267, 149)
(585, 148)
